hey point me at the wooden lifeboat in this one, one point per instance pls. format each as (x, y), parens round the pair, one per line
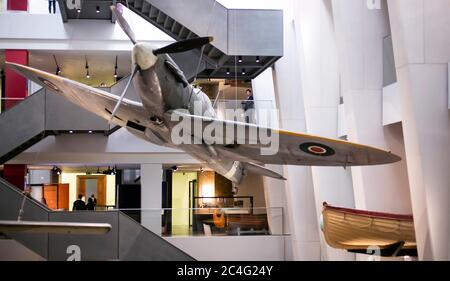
(366, 232)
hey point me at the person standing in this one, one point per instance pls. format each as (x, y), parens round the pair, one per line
(90, 205)
(52, 6)
(94, 200)
(79, 204)
(249, 106)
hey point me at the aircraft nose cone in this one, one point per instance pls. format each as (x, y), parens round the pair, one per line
(143, 56)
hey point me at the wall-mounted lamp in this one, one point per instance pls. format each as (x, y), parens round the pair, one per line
(87, 69)
(58, 69)
(115, 69)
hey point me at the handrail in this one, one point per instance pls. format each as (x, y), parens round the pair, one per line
(29, 199)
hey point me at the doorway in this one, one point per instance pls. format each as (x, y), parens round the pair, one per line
(88, 185)
(183, 191)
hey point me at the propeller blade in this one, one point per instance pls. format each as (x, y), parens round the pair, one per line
(183, 46)
(118, 12)
(113, 114)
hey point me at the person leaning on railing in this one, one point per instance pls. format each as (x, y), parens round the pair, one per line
(248, 105)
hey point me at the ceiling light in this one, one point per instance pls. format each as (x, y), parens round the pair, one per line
(258, 59)
(70, 132)
(240, 59)
(78, 10)
(243, 71)
(174, 168)
(97, 10)
(87, 75)
(228, 71)
(90, 132)
(57, 170)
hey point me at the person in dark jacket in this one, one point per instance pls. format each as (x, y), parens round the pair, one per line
(94, 200)
(90, 206)
(249, 106)
(79, 204)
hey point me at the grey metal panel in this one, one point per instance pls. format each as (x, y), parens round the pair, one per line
(22, 122)
(10, 203)
(253, 32)
(63, 9)
(389, 71)
(210, 17)
(188, 62)
(93, 247)
(138, 243)
(62, 115)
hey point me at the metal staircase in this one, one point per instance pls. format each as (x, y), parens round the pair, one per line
(127, 240)
(40, 115)
(246, 41)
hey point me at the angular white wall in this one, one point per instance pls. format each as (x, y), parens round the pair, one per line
(360, 32)
(421, 40)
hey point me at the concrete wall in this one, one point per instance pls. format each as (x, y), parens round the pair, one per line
(234, 248)
(421, 41)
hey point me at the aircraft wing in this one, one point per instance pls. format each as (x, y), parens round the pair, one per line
(293, 148)
(94, 100)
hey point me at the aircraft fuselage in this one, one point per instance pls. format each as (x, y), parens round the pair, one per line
(162, 87)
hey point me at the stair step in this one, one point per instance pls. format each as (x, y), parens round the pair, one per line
(145, 7)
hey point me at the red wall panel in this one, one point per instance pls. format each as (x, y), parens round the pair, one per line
(15, 84)
(15, 174)
(17, 5)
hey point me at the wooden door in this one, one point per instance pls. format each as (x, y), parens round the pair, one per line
(63, 196)
(51, 196)
(101, 188)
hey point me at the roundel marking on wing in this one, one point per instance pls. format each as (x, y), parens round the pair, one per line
(317, 149)
(49, 84)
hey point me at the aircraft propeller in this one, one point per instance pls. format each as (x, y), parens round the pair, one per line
(176, 47)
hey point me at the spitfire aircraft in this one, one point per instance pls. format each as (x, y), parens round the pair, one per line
(165, 92)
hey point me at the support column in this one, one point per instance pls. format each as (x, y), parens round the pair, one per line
(151, 196)
(319, 69)
(360, 31)
(300, 210)
(421, 39)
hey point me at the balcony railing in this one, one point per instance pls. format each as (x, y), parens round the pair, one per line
(210, 221)
(263, 111)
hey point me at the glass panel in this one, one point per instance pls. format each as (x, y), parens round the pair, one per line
(212, 221)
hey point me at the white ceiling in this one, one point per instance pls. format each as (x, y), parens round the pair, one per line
(72, 64)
